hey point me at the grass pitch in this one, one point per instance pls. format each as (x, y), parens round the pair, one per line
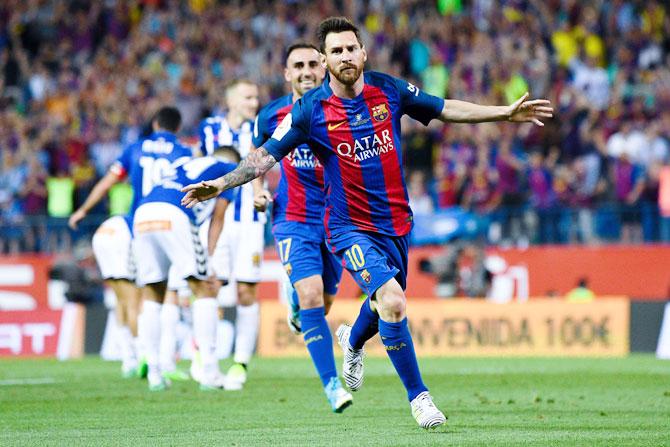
(542, 402)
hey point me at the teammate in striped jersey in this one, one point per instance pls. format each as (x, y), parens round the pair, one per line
(297, 225)
(352, 124)
(237, 258)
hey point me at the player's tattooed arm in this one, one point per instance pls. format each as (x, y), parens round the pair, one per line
(257, 163)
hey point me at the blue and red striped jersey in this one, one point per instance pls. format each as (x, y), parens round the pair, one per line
(358, 143)
(299, 196)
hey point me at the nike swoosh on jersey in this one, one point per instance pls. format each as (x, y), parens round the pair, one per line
(336, 125)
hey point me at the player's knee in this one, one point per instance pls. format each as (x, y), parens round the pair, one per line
(392, 305)
(246, 294)
(170, 297)
(201, 289)
(310, 299)
(310, 293)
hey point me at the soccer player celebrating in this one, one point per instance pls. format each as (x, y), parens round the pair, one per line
(297, 226)
(238, 258)
(352, 124)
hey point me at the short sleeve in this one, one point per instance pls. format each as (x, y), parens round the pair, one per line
(417, 104)
(261, 128)
(206, 137)
(291, 132)
(122, 165)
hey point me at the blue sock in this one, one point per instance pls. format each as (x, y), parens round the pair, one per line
(319, 342)
(399, 346)
(365, 327)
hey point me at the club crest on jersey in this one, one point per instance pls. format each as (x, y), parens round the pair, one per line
(256, 259)
(288, 268)
(380, 112)
(365, 275)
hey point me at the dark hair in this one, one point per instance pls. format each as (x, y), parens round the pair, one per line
(298, 46)
(335, 25)
(168, 118)
(228, 152)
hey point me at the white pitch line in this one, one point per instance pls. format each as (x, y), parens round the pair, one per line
(28, 381)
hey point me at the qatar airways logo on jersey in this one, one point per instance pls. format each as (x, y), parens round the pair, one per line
(367, 147)
(303, 158)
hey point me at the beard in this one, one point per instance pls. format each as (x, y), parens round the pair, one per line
(347, 75)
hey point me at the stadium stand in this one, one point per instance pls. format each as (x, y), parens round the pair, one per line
(79, 80)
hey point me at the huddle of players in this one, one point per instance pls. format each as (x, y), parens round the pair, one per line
(161, 248)
(174, 248)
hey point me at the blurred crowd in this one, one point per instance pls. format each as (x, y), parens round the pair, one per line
(80, 79)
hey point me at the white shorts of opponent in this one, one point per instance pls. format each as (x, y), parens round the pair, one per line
(238, 256)
(112, 247)
(164, 237)
(178, 284)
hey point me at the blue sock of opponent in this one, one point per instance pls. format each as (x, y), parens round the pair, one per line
(365, 327)
(399, 346)
(319, 342)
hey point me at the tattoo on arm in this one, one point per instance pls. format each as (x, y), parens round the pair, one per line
(257, 163)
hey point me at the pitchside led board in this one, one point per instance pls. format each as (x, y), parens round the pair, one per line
(539, 327)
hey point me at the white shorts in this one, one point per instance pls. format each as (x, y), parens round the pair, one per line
(164, 237)
(112, 249)
(177, 283)
(239, 251)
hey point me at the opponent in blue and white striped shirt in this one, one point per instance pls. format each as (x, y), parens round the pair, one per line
(238, 255)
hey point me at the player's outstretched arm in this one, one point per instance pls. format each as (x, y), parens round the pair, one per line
(522, 111)
(257, 163)
(97, 194)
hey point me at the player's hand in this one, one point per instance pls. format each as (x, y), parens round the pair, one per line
(199, 192)
(75, 218)
(534, 111)
(261, 200)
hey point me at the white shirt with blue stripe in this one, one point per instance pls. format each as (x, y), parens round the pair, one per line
(215, 132)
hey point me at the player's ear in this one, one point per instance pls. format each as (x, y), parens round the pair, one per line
(323, 60)
(365, 53)
(287, 75)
